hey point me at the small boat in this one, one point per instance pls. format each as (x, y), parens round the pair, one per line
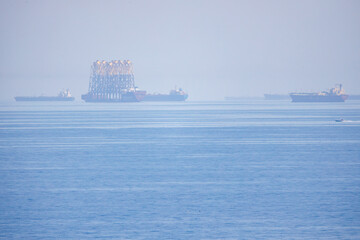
(339, 120)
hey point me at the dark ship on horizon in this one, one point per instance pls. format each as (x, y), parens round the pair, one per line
(112, 82)
(174, 95)
(336, 94)
(62, 96)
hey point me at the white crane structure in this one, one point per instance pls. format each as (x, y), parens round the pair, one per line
(108, 80)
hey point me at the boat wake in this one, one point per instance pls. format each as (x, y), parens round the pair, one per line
(348, 121)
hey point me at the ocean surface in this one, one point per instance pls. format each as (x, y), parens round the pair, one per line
(251, 169)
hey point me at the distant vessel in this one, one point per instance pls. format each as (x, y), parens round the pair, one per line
(354, 97)
(63, 96)
(339, 120)
(174, 95)
(276, 97)
(336, 94)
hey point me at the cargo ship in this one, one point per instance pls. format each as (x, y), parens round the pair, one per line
(131, 95)
(354, 97)
(336, 94)
(63, 96)
(174, 95)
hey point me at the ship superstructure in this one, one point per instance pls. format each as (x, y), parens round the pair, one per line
(175, 95)
(112, 82)
(336, 94)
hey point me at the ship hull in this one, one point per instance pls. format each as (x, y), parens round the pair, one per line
(354, 97)
(318, 98)
(164, 98)
(44, 99)
(125, 97)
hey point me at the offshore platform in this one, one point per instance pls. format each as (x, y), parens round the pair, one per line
(112, 82)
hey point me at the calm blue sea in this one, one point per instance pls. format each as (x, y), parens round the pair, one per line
(251, 169)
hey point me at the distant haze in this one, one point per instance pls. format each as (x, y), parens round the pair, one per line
(211, 49)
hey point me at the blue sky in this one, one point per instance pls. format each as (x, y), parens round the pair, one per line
(210, 48)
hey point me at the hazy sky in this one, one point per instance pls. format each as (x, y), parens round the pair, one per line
(210, 48)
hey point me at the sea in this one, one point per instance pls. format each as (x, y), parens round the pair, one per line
(249, 169)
